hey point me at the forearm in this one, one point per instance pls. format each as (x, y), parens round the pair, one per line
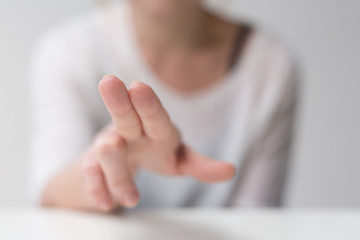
(67, 189)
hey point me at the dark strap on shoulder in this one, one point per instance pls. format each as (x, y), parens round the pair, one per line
(244, 32)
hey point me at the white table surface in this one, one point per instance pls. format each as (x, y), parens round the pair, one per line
(181, 224)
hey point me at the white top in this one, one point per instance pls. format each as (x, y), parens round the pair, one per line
(199, 224)
(245, 119)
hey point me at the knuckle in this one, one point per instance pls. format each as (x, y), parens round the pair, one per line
(124, 111)
(129, 128)
(151, 111)
(97, 192)
(120, 183)
(91, 168)
(158, 129)
(108, 143)
(161, 129)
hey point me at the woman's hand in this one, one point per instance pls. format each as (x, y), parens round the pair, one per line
(141, 136)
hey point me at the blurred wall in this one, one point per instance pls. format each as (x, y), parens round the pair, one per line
(324, 35)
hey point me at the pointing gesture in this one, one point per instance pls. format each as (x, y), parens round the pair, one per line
(141, 135)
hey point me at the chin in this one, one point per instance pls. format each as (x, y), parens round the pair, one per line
(164, 9)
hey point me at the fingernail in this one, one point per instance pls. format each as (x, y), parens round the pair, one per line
(107, 77)
(134, 83)
(130, 199)
(105, 205)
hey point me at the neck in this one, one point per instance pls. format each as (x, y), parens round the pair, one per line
(189, 29)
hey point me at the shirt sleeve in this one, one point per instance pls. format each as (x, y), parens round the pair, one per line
(61, 124)
(264, 172)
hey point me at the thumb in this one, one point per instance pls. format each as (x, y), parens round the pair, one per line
(203, 168)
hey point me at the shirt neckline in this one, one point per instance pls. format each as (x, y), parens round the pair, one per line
(136, 58)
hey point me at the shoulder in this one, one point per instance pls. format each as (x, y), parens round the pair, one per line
(72, 36)
(272, 70)
(272, 51)
(82, 38)
(273, 73)
(273, 60)
(65, 54)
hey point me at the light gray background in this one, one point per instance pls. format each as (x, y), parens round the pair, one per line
(325, 36)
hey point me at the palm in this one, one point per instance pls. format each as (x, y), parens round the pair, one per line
(160, 156)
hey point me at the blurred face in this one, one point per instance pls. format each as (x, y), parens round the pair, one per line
(166, 10)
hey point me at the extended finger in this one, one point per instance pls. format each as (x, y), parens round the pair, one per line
(155, 120)
(112, 157)
(203, 168)
(95, 183)
(116, 98)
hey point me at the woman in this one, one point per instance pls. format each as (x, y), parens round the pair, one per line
(214, 96)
